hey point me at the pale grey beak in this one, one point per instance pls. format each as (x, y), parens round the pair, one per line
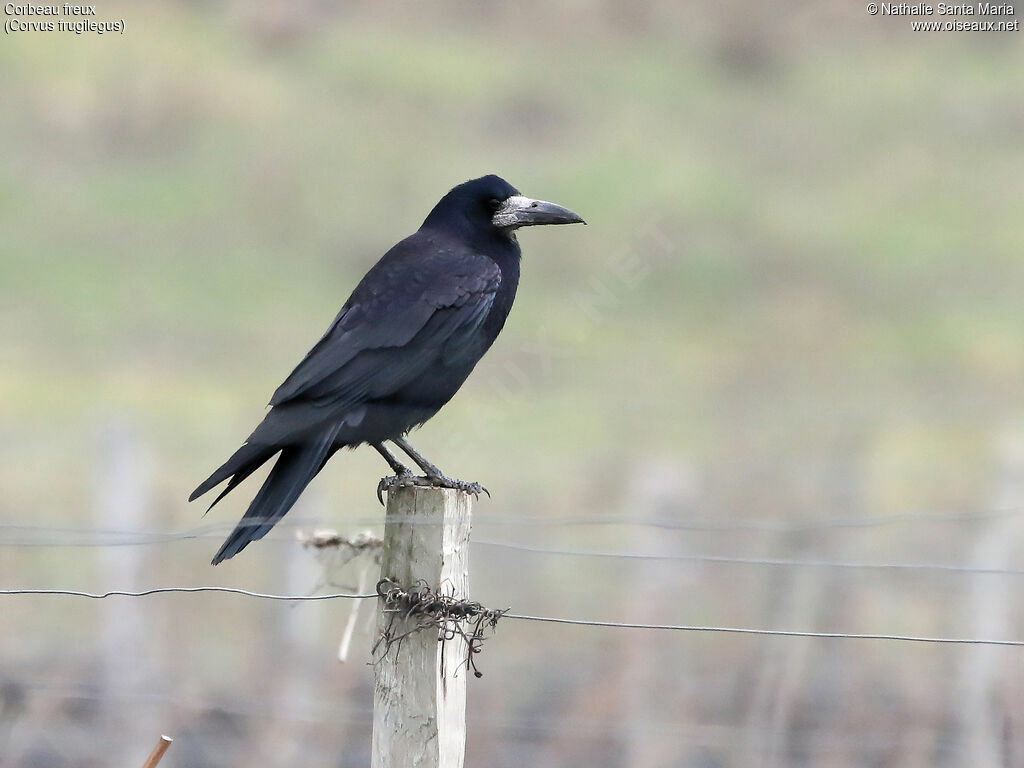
(519, 211)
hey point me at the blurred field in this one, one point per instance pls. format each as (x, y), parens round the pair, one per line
(797, 301)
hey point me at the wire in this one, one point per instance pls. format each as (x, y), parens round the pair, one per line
(770, 632)
(95, 538)
(523, 617)
(138, 538)
(773, 526)
(753, 560)
(32, 535)
(188, 590)
(38, 536)
(724, 523)
(19, 535)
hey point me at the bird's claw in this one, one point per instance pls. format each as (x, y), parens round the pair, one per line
(391, 482)
(459, 485)
(404, 480)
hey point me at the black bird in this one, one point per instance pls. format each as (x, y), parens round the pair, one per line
(403, 344)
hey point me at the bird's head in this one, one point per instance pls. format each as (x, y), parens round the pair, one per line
(491, 204)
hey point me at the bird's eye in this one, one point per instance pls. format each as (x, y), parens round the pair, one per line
(494, 204)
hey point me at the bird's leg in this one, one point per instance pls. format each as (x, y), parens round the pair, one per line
(403, 475)
(434, 475)
(396, 466)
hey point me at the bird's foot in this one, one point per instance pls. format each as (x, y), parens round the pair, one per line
(440, 481)
(405, 479)
(400, 480)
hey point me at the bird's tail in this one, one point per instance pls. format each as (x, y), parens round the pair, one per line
(243, 462)
(277, 429)
(294, 469)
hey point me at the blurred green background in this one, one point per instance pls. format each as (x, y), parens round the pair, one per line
(792, 331)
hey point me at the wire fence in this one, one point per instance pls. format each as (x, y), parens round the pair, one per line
(183, 590)
(524, 617)
(28, 535)
(755, 561)
(531, 539)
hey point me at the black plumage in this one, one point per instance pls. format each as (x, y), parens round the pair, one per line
(399, 349)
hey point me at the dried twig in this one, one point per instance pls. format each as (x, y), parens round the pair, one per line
(326, 538)
(334, 552)
(427, 609)
(353, 617)
(158, 752)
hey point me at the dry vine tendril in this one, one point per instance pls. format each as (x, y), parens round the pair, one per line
(429, 609)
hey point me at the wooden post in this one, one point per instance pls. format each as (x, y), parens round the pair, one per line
(419, 706)
(981, 699)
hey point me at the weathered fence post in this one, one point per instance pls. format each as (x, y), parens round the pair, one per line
(419, 703)
(984, 694)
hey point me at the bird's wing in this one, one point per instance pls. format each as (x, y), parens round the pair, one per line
(402, 316)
